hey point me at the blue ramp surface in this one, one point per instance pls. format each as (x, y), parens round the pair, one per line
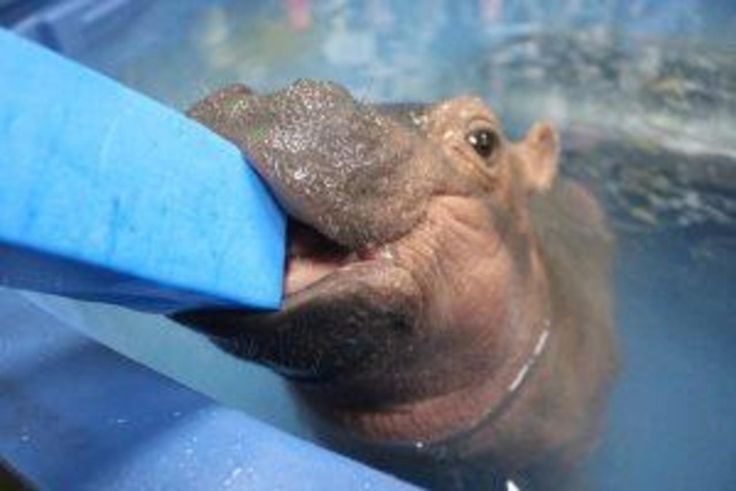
(109, 196)
(75, 415)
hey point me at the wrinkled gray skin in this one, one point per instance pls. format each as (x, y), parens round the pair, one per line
(446, 301)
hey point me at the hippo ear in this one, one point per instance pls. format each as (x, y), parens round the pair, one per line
(540, 151)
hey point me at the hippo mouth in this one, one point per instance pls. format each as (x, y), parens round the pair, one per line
(312, 256)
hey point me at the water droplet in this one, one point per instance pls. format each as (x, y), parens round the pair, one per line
(234, 474)
(300, 174)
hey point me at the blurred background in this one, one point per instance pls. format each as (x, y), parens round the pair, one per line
(643, 92)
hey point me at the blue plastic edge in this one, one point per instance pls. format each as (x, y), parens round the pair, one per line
(107, 195)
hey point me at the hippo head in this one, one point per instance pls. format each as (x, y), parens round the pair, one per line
(416, 293)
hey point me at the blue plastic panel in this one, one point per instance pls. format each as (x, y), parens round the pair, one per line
(109, 196)
(77, 416)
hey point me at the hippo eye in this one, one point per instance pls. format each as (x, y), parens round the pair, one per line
(484, 142)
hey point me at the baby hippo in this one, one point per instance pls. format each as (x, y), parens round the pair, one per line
(447, 314)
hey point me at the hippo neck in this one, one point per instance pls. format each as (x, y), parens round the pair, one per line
(451, 417)
(454, 417)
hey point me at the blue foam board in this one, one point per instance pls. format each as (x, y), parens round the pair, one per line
(107, 195)
(75, 415)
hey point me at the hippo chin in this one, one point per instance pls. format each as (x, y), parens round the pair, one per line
(446, 294)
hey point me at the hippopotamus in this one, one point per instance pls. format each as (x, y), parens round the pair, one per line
(446, 299)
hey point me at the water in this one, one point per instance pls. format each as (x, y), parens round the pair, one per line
(644, 93)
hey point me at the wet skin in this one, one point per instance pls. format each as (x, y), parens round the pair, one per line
(447, 296)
